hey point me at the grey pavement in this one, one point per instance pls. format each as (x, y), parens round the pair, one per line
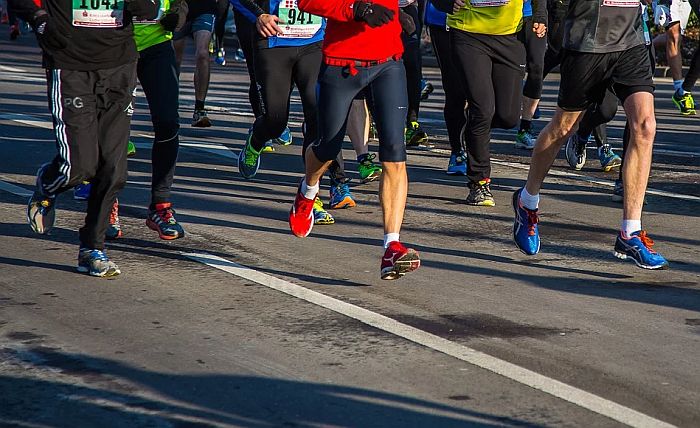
(176, 343)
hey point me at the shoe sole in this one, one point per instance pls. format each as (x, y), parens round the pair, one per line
(608, 168)
(515, 212)
(372, 177)
(623, 256)
(417, 142)
(680, 109)
(106, 274)
(113, 238)
(151, 225)
(523, 146)
(345, 203)
(402, 266)
(482, 204)
(202, 123)
(460, 173)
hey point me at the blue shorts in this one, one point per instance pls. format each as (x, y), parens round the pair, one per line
(203, 22)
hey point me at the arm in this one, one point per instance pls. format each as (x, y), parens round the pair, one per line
(339, 10)
(252, 7)
(239, 8)
(143, 9)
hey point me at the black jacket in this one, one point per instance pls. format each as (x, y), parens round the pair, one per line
(88, 48)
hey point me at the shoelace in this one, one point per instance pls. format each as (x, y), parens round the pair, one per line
(166, 214)
(367, 161)
(646, 240)
(250, 157)
(98, 255)
(532, 220)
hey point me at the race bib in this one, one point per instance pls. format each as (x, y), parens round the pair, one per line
(296, 24)
(488, 3)
(621, 3)
(98, 13)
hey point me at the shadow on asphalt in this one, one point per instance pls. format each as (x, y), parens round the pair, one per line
(115, 398)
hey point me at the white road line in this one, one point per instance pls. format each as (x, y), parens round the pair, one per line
(581, 177)
(511, 371)
(26, 119)
(12, 69)
(11, 188)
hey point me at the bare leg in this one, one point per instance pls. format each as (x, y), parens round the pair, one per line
(314, 167)
(639, 108)
(529, 107)
(393, 190)
(673, 51)
(201, 71)
(548, 144)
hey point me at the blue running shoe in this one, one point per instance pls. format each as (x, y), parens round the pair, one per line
(248, 159)
(537, 114)
(608, 158)
(81, 192)
(96, 263)
(286, 138)
(525, 231)
(341, 196)
(638, 248)
(457, 164)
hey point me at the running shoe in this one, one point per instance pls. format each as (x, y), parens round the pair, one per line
(14, 32)
(239, 56)
(321, 216)
(398, 261)
(608, 158)
(369, 171)
(286, 138)
(268, 148)
(526, 233)
(200, 119)
(457, 164)
(685, 103)
(81, 192)
(341, 196)
(96, 263)
(415, 135)
(114, 230)
(524, 140)
(130, 148)
(638, 248)
(41, 209)
(301, 216)
(426, 89)
(248, 159)
(618, 191)
(575, 150)
(220, 57)
(480, 194)
(162, 220)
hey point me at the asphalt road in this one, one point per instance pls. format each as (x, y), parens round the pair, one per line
(242, 324)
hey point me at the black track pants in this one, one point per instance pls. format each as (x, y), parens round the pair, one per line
(492, 69)
(455, 97)
(91, 113)
(157, 72)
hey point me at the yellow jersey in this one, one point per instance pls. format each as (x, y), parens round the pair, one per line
(492, 17)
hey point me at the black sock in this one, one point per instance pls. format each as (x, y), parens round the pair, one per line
(198, 105)
(525, 125)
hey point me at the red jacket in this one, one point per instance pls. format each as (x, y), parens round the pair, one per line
(349, 39)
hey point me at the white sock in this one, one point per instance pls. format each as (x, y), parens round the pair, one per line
(629, 227)
(529, 201)
(309, 192)
(678, 86)
(390, 237)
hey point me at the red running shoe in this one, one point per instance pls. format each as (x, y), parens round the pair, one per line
(399, 260)
(301, 216)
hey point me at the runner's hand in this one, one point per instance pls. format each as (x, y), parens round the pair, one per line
(539, 29)
(407, 23)
(458, 4)
(267, 25)
(169, 22)
(49, 37)
(375, 15)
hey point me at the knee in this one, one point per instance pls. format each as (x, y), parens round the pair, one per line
(506, 120)
(165, 131)
(643, 131)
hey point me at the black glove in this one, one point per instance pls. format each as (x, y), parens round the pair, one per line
(49, 37)
(374, 15)
(169, 22)
(407, 23)
(142, 9)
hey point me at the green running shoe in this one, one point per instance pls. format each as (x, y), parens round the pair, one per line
(685, 103)
(130, 148)
(369, 171)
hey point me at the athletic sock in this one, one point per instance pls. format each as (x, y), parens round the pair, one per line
(390, 237)
(525, 125)
(678, 87)
(199, 105)
(529, 201)
(629, 227)
(309, 192)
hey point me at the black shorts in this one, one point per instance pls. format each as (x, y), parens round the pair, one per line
(586, 76)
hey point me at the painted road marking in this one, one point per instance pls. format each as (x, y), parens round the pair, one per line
(511, 371)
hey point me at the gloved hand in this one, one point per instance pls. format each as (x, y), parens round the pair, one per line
(142, 9)
(48, 36)
(169, 21)
(407, 23)
(374, 15)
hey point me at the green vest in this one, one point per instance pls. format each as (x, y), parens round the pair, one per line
(492, 17)
(150, 33)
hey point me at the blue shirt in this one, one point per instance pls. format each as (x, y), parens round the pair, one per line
(527, 8)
